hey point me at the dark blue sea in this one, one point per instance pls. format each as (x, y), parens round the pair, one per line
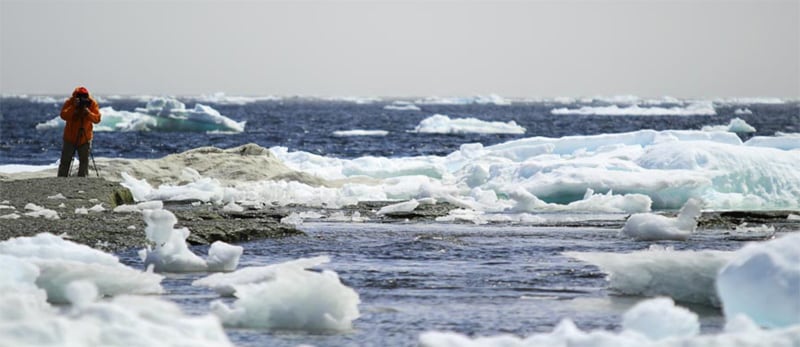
(308, 125)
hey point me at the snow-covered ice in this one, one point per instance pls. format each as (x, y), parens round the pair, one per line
(736, 125)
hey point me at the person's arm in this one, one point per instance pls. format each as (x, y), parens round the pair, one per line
(67, 111)
(94, 112)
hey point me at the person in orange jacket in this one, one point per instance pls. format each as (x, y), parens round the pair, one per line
(80, 112)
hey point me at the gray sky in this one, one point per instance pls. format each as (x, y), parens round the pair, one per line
(706, 48)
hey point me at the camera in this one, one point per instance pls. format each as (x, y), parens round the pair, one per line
(84, 101)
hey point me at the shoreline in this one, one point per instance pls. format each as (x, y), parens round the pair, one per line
(113, 231)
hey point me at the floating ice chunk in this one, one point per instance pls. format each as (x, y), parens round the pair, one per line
(38, 211)
(762, 281)
(225, 283)
(223, 257)
(441, 124)
(659, 319)
(292, 298)
(405, 206)
(171, 253)
(695, 109)
(172, 115)
(742, 111)
(359, 132)
(736, 125)
(686, 276)
(296, 218)
(649, 227)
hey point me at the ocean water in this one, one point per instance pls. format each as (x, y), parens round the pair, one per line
(499, 270)
(475, 280)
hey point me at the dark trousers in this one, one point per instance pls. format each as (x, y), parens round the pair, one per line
(67, 152)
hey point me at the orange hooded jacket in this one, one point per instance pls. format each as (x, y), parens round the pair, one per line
(78, 118)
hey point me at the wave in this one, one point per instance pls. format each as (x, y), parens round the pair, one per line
(441, 124)
(160, 114)
(695, 109)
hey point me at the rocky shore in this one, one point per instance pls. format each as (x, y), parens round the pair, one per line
(84, 209)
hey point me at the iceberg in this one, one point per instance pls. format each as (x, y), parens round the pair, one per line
(360, 132)
(160, 114)
(441, 124)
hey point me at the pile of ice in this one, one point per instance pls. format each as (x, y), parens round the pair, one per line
(655, 322)
(650, 227)
(736, 125)
(441, 124)
(26, 319)
(623, 173)
(760, 281)
(285, 296)
(160, 114)
(58, 262)
(172, 254)
(693, 109)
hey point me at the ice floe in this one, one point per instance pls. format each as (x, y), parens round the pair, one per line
(693, 109)
(441, 124)
(650, 227)
(171, 252)
(285, 296)
(360, 132)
